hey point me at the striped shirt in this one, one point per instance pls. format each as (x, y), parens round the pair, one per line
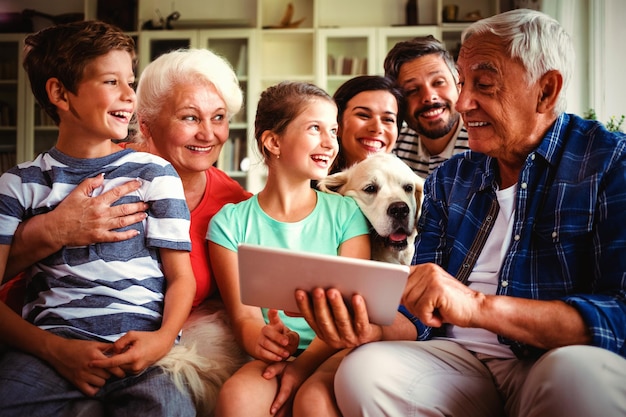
(106, 289)
(569, 234)
(410, 149)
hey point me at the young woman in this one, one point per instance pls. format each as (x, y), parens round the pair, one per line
(369, 117)
(295, 129)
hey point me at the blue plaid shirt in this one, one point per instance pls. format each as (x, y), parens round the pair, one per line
(569, 235)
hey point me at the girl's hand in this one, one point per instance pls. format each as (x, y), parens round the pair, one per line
(290, 378)
(276, 341)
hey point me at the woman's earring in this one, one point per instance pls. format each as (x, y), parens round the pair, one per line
(278, 156)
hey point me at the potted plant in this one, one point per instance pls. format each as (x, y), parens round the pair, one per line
(613, 125)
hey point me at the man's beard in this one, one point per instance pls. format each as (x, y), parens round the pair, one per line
(437, 131)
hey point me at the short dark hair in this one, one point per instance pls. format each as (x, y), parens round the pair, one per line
(357, 85)
(407, 51)
(63, 51)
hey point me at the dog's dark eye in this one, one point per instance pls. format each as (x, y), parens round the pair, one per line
(370, 189)
(408, 188)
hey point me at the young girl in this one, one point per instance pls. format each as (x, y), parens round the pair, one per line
(296, 132)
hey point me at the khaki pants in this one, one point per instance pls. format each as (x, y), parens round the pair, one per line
(441, 378)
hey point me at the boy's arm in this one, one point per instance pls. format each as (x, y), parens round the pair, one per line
(70, 358)
(77, 221)
(181, 289)
(135, 351)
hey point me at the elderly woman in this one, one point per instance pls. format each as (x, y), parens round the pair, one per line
(185, 99)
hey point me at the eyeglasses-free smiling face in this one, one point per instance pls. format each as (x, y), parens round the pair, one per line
(431, 94)
(368, 125)
(496, 102)
(191, 127)
(104, 101)
(308, 146)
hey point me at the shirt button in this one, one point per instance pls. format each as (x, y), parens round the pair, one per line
(517, 237)
(532, 156)
(554, 235)
(524, 186)
(505, 283)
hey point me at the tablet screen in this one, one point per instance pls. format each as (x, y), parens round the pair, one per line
(269, 277)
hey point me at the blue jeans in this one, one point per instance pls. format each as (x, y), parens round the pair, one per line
(31, 387)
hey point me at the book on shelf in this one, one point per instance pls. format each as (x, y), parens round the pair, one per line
(346, 65)
(225, 160)
(7, 160)
(363, 67)
(331, 65)
(232, 153)
(241, 68)
(6, 115)
(239, 152)
(338, 65)
(346, 68)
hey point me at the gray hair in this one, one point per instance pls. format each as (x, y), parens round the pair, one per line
(538, 41)
(182, 66)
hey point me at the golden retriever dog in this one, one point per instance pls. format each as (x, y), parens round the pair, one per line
(389, 194)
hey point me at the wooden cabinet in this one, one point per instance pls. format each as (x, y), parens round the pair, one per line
(235, 46)
(25, 129)
(12, 96)
(346, 52)
(324, 42)
(453, 16)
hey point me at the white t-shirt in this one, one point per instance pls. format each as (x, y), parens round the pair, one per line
(485, 275)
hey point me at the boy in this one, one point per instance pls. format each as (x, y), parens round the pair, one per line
(104, 303)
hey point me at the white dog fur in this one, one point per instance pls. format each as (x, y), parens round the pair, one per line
(206, 355)
(389, 194)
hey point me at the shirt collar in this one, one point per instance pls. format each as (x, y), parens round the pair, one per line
(552, 142)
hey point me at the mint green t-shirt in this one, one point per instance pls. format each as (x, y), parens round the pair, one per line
(334, 220)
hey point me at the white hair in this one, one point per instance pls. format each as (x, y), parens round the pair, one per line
(538, 41)
(182, 66)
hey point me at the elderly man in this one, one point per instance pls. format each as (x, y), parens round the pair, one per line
(518, 294)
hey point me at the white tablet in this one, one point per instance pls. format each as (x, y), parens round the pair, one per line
(269, 277)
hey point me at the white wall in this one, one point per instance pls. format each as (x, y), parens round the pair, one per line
(573, 16)
(609, 91)
(598, 31)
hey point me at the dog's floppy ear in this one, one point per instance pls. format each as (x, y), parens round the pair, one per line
(419, 195)
(332, 183)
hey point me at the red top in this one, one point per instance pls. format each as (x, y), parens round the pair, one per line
(220, 190)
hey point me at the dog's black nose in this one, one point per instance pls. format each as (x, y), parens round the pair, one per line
(398, 210)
